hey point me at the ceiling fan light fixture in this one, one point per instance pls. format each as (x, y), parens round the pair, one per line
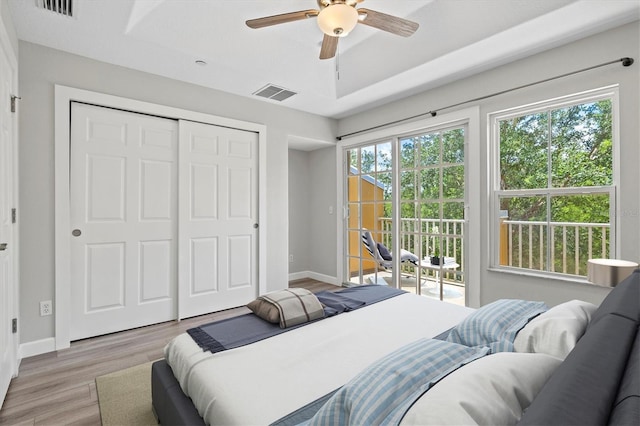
(338, 19)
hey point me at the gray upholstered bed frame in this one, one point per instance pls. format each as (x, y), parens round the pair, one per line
(597, 384)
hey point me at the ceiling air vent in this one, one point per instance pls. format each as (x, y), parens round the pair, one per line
(59, 7)
(274, 92)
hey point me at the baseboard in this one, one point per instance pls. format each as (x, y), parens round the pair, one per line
(313, 275)
(37, 347)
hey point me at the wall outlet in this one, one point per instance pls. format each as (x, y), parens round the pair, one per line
(290, 258)
(46, 308)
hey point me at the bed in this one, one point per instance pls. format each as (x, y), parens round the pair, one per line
(559, 369)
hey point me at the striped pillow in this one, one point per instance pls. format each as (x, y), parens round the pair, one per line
(384, 391)
(496, 325)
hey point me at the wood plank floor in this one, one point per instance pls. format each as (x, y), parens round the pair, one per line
(58, 388)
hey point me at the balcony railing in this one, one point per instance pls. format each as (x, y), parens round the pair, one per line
(423, 245)
(523, 244)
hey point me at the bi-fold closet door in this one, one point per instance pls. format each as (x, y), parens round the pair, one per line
(163, 219)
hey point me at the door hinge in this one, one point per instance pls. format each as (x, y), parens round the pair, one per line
(13, 215)
(14, 325)
(13, 102)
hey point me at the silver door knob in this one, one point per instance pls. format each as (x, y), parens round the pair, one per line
(255, 226)
(76, 232)
(3, 246)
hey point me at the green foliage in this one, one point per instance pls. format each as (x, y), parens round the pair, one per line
(578, 142)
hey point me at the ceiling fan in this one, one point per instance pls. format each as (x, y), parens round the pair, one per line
(336, 18)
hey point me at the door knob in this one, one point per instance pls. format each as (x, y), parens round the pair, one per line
(76, 232)
(3, 246)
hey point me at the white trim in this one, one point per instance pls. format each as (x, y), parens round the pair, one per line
(14, 289)
(315, 276)
(63, 96)
(37, 347)
(473, 182)
(493, 158)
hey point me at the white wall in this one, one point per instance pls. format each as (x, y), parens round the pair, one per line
(300, 213)
(40, 69)
(322, 223)
(312, 214)
(611, 45)
(5, 16)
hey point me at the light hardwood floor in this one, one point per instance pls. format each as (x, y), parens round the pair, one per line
(58, 388)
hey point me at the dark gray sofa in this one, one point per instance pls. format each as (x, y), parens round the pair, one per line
(599, 381)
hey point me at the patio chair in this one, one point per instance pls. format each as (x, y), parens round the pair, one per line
(382, 255)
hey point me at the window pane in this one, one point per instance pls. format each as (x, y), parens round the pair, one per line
(429, 149)
(352, 156)
(353, 186)
(430, 184)
(383, 186)
(407, 153)
(367, 160)
(453, 182)
(580, 231)
(523, 152)
(354, 215)
(581, 145)
(408, 185)
(523, 232)
(383, 156)
(453, 146)
(430, 214)
(453, 211)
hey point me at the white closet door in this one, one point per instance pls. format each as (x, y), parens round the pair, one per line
(8, 239)
(123, 215)
(218, 211)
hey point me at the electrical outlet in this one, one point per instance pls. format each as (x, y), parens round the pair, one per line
(290, 258)
(46, 308)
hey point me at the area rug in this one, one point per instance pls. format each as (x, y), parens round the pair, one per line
(124, 397)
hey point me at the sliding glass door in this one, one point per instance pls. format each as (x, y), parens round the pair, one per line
(369, 202)
(420, 180)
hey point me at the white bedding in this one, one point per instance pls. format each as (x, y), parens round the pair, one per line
(264, 381)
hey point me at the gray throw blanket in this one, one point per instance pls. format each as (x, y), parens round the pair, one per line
(295, 306)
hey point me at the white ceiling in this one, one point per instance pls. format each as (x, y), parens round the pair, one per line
(456, 38)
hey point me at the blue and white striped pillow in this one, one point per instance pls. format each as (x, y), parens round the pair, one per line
(496, 325)
(384, 391)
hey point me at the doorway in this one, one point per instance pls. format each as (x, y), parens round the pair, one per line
(407, 194)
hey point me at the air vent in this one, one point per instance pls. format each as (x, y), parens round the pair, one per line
(274, 92)
(59, 7)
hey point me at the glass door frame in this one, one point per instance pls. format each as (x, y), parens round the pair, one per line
(473, 247)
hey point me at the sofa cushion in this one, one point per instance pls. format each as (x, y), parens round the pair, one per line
(583, 389)
(626, 410)
(622, 300)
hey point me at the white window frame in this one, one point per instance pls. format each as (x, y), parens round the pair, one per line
(493, 129)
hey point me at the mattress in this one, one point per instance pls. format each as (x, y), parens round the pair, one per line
(264, 381)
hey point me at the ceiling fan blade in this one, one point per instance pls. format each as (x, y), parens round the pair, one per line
(390, 23)
(329, 47)
(267, 21)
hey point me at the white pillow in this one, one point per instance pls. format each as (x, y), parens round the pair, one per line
(493, 390)
(556, 331)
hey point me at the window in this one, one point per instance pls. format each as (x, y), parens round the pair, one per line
(554, 192)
